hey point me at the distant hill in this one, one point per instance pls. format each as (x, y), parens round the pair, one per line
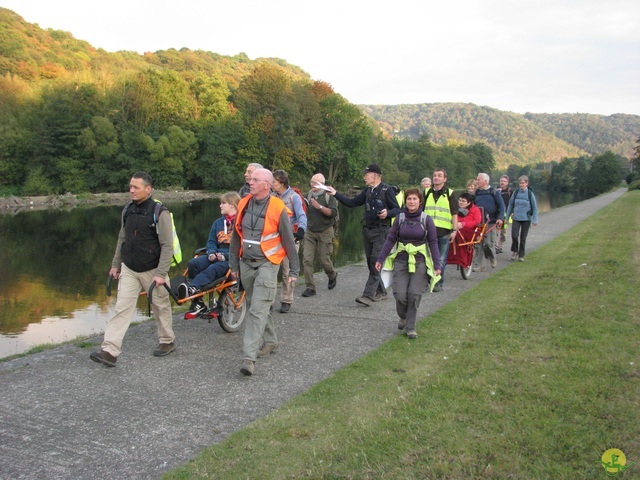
(35, 55)
(516, 139)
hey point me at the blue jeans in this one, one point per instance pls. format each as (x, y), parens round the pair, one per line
(203, 272)
(443, 246)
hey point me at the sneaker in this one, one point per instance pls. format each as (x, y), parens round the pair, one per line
(412, 334)
(266, 349)
(498, 249)
(379, 297)
(332, 282)
(285, 307)
(185, 290)
(514, 256)
(104, 357)
(197, 308)
(248, 367)
(521, 259)
(479, 269)
(309, 292)
(402, 323)
(364, 300)
(164, 349)
(438, 287)
(494, 263)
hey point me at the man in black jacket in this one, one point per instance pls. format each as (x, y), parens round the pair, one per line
(143, 255)
(379, 200)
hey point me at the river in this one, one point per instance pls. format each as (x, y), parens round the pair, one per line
(54, 264)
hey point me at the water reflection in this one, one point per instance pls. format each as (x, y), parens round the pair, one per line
(54, 264)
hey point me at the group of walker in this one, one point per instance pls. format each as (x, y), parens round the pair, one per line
(260, 230)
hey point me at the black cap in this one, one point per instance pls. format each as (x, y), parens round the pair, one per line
(373, 168)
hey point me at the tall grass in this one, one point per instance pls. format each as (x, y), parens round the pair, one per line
(532, 374)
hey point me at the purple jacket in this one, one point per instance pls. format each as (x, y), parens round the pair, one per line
(412, 231)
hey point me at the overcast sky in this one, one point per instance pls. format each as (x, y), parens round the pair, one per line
(554, 56)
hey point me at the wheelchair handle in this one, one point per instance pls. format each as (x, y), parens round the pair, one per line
(153, 286)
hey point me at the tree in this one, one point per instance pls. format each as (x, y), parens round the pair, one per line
(604, 174)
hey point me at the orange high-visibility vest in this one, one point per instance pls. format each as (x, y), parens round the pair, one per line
(270, 243)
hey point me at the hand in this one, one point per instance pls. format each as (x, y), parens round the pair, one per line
(292, 279)
(299, 235)
(378, 266)
(438, 272)
(499, 224)
(314, 203)
(383, 213)
(114, 272)
(235, 275)
(159, 281)
(330, 190)
(452, 237)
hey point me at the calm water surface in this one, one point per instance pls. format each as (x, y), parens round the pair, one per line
(54, 265)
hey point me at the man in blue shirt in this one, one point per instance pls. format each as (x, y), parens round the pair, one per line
(490, 202)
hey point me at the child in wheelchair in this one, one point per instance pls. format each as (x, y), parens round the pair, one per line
(211, 262)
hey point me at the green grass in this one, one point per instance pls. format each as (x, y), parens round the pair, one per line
(531, 374)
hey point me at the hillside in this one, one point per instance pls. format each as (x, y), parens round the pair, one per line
(516, 139)
(592, 133)
(35, 55)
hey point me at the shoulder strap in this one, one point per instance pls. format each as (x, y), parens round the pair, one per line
(125, 211)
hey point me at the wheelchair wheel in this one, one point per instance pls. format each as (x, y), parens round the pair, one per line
(234, 309)
(466, 272)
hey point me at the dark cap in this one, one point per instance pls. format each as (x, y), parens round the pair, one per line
(373, 168)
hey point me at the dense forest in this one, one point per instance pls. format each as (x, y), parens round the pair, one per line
(516, 139)
(78, 119)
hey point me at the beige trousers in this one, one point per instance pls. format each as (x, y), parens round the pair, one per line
(130, 285)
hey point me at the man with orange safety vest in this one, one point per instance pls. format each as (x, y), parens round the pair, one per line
(261, 239)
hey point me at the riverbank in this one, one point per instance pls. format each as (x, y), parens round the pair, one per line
(69, 200)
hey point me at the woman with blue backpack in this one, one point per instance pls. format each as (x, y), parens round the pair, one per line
(524, 208)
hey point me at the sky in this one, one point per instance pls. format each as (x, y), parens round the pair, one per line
(542, 56)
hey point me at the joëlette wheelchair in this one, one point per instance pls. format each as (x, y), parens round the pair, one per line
(225, 298)
(461, 251)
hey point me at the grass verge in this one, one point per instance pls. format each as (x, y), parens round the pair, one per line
(531, 374)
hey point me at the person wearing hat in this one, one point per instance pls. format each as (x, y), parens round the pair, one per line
(379, 200)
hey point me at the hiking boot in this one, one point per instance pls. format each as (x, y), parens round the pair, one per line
(364, 300)
(494, 263)
(248, 367)
(285, 307)
(402, 323)
(332, 282)
(266, 349)
(103, 357)
(379, 297)
(412, 334)
(164, 349)
(309, 292)
(197, 308)
(185, 290)
(438, 287)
